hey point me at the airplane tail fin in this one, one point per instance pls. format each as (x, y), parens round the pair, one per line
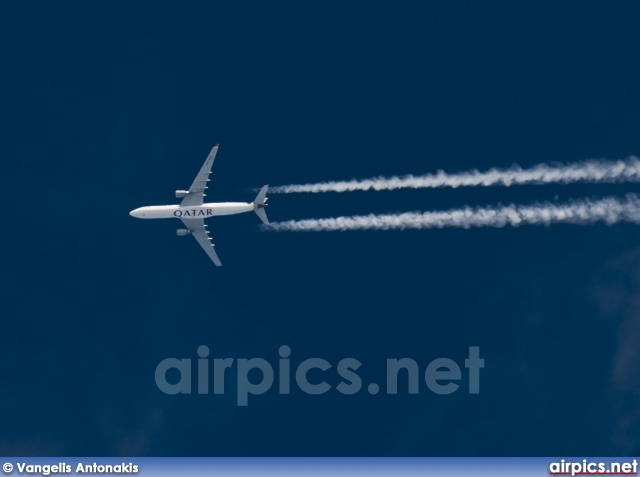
(259, 203)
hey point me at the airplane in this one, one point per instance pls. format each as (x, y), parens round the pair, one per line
(192, 210)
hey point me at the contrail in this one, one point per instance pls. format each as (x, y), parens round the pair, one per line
(595, 170)
(609, 210)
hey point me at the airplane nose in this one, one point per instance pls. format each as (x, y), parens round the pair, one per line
(135, 213)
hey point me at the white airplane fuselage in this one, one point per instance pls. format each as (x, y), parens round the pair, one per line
(193, 211)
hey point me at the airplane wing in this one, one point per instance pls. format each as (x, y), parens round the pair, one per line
(199, 231)
(196, 191)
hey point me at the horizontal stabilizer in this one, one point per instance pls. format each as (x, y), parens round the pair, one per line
(261, 213)
(260, 202)
(261, 198)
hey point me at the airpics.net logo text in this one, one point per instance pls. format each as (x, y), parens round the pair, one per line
(256, 376)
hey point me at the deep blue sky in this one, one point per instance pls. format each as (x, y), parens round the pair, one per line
(108, 106)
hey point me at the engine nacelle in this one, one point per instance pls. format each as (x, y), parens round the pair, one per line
(182, 193)
(183, 232)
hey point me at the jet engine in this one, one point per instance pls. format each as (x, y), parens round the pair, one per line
(183, 232)
(182, 193)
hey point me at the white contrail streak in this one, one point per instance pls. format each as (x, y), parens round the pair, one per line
(609, 210)
(627, 170)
